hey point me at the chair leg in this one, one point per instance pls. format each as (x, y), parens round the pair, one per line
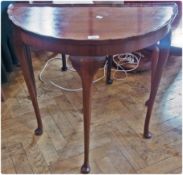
(109, 67)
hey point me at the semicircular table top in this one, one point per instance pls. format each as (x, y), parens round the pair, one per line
(91, 22)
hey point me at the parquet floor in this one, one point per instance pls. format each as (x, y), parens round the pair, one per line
(118, 114)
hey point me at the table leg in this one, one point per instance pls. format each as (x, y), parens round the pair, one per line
(109, 67)
(86, 67)
(2, 95)
(29, 60)
(156, 76)
(64, 64)
(154, 61)
(23, 53)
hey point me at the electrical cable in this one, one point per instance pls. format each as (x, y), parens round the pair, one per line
(126, 58)
(120, 60)
(70, 69)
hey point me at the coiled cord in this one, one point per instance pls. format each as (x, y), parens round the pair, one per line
(126, 58)
(120, 60)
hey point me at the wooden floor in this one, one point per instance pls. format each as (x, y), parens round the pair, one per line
(118, 114)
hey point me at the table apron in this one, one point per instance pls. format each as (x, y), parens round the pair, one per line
(92, 48)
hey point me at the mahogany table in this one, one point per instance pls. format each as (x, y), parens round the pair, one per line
(88, 33)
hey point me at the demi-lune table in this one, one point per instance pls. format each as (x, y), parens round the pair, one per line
(89, 33)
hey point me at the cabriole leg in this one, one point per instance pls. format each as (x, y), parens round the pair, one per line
(24, 55)
(156, 77)
(109, 68)
(86, 68)
(64, 64)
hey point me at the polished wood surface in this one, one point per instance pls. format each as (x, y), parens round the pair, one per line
(119, 37)
(87, 68)
(87, 49)
(176, 44)
(116, 128)
(157, 69)
(78, 23)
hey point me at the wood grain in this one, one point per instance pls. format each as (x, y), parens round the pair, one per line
(116, 146)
